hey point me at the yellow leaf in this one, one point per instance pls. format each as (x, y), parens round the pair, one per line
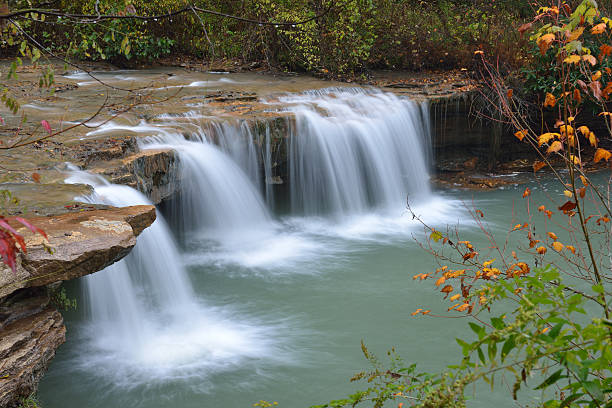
(584, 130)
(590, 59)
(572, 59)
(596, 76)
(574, 35)
(571, 118)
(488, 263)
(585, 182)
(575, 160)
(598, 29)
(555, 147)
(592, 139)
(550, 100)
(557, 246)
(566, 129)
(544, 42)
(521, 134)
(568, 193)
(601, 154)
(455, 297)
(546, 137)
(463, 307)
(435, 235)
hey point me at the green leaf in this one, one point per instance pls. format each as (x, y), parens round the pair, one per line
(436, 235)
(507, 347)
(556, 376)
(566, 402)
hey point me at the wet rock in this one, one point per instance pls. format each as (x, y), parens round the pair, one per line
(97, 238)
(31, 329)
(154, 172)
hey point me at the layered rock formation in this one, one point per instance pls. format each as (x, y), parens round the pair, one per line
(79, 243)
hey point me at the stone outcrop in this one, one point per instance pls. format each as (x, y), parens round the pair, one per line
(31, 330)
(80, 242)
(154, 172)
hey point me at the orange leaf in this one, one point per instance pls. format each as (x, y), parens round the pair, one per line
(571, 248)
(521, 134)
(552, 235)
(554, 147)
(510, 93)
(549, 213)
(455, 297)
(598, 29)
(541, 250)
(590, 59)
(601, 154)
(463, 307)
(585, 182)
(596, 76)
(538, 165)
(544, 42)
(568, 193)
(550, 100)
(557, 246)
(527, 192)
(582, 192)
(577, 96)
(440, 281)
(541, 208)
(416, 312)
(447, 289)
(36, 177)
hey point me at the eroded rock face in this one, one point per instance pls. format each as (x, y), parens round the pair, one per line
(79, 243)
(31, 329)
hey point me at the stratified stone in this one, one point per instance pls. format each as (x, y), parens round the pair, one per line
(79, 243)
(30, 332)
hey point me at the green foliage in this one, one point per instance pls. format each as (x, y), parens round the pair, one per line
(29, 402)
(61, 301)
(551, 341)
(354, 36)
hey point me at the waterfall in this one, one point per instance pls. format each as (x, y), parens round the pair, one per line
(356, 150)
(145, 322)
(216, 196)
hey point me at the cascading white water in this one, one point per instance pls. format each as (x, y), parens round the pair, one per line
(145, 320)
(354, 151)
(216, 195)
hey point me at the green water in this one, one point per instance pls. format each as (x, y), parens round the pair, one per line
(313, 310)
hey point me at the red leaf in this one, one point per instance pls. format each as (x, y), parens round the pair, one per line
(46, 125)
(569, 206)
(31, 227)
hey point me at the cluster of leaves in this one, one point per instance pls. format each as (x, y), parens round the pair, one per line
(11, 242)
(555, 334)
(353, 36)
(578, 37)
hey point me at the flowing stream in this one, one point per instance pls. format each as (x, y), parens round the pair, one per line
(261, 302)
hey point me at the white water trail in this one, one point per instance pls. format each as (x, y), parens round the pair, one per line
(145, 323)
(356, 151)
